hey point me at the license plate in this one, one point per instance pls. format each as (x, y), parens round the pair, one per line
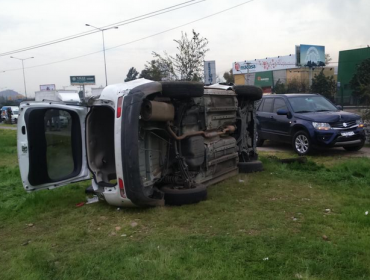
(349, 133)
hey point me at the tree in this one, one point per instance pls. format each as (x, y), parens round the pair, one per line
(157, 69)
(327, 59)
(296, 86)
(360, 82)
(131, 75)
(324, 85)
(279, 87)
(229, 76)
(151, 71)
(187, 64)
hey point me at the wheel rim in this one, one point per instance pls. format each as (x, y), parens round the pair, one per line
(301, 144)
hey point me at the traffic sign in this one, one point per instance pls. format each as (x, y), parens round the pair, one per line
(82, 80)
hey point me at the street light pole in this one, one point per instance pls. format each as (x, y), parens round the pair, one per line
(24, 77)
(102, 32)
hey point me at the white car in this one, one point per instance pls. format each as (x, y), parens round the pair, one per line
(15, 111)
(142, 143)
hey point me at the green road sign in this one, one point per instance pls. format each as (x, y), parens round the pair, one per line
(82, 80)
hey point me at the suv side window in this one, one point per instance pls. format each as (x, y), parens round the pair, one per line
(260, 105)
(279, 104)
(267, 105)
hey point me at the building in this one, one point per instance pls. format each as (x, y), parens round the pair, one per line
(348, 63)
(265, 73)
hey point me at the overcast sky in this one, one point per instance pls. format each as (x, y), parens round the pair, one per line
(259, 29)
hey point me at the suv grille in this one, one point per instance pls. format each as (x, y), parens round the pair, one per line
(343, 125)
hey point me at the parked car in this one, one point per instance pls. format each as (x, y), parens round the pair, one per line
(4, 114)
(145, 143)
(308, 121)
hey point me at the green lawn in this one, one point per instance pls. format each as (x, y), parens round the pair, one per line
(269, 225)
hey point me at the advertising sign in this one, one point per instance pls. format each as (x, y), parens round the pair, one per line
(82, 80)
(210, 72)
(312, 55)
(263, 65)
(47, 87)
(264, 79)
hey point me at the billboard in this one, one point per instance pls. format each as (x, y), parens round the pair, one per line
(263, 65)
(82, 80)
(210, 72)
(47, 87)
(264, 79)
(310, 55)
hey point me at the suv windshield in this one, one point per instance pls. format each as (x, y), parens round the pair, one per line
(308, 104)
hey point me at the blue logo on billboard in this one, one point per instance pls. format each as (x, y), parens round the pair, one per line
(248, 66)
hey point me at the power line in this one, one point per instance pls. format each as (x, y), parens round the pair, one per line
(137, 40)
(125, 22)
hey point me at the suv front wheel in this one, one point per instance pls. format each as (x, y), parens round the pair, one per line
(302, 143)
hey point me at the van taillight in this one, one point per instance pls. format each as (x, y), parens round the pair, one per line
(122, 188)
(119, 107)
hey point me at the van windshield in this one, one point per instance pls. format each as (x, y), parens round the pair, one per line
(309, 104)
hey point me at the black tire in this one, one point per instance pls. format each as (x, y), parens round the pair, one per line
(250, 166)
(302, 143)
(354, 148)
(250, 93)
(182, 90)
(178, 197)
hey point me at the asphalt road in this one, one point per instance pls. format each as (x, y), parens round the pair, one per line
(269, 146)
(8, 127)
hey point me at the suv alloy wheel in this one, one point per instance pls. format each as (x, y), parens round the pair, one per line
(302, 143)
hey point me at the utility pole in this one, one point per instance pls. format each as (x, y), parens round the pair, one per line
(248, 63)
(24, 77)
(102, 33)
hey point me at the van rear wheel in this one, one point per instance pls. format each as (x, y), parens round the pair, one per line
(250, 93)
(181, 196)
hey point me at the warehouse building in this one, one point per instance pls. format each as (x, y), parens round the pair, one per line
(265, 73)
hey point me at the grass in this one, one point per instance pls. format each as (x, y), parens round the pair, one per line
(279, 214)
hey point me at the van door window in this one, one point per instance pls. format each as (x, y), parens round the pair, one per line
(58, 134)
(55, 147)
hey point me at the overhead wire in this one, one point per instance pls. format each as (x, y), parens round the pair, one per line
(121, 23)
(134, 41)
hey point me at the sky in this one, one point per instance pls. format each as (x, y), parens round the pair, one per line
(258, 29)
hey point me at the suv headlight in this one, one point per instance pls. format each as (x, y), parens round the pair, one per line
(360, 123)
(321, 126)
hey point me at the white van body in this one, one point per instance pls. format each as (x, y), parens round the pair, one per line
(142, 142)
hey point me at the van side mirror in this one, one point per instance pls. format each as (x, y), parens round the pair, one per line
(339, 107)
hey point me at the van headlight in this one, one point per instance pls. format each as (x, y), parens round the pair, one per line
(321, 126)
(360, 123)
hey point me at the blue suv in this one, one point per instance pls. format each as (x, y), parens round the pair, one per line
(307, 121)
